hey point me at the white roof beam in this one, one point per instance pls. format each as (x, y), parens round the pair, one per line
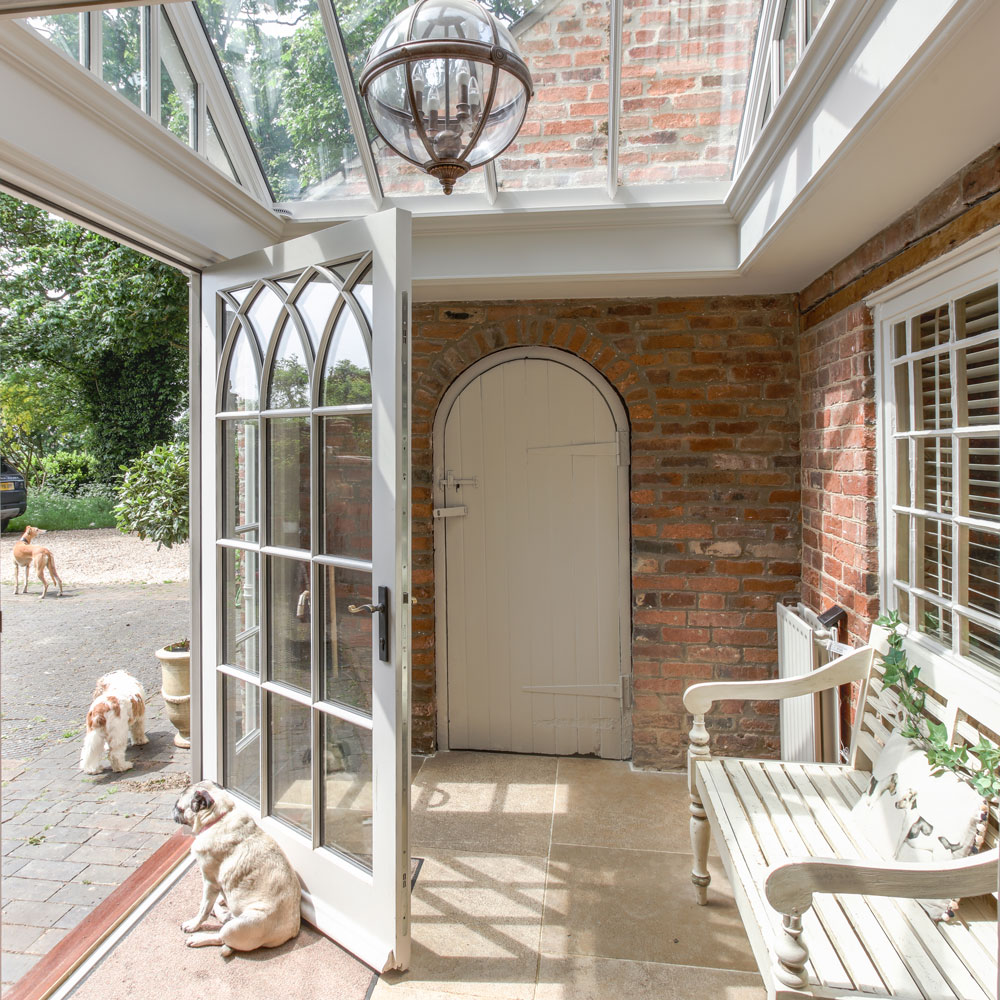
(615, 29)
(31, 8)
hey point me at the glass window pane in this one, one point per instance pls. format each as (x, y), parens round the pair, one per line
(278, 63)
(215, 150)
(984, 571)
(815, 11)
(684, 88)
(934, 401)
(121, 52)
(978, 313)
(291, 762)
(347, 638)
(983, 645)
(241, 737)
(288, 386)
(347, 377)
(65, 32)
(178, 106)
(288, 481)
(934, 621)
(347, 789)
(243, 379)
(787, 41)
(240, 480)
(984, 477)
(315, 304)
(934, 465)
(934, 544)
(347, 485)
(241, 637)
(288, 624)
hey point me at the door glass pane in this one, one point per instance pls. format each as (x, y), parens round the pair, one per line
(177, 90)
(288, 481)
(240, 457)
(315, 305)
(121, 48)
(264, 312)
(290, 604)
(289, 382)
(242, 382)
(347, 789)
(347, 376)
(242, 611)
(362, 291)
(347, 485)
(291, 763)
(241, 737)
(347, 638)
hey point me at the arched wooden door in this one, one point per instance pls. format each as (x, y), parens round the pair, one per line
(531, 482)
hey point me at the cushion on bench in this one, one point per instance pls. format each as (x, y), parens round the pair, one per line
(765, 812)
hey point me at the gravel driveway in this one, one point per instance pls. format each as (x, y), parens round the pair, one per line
(98, 556)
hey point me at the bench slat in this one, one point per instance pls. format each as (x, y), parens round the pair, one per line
(842, 936)
(766, 814)
(938, 970)
(975, 939)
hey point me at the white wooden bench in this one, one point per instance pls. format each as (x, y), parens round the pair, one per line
(824, 916)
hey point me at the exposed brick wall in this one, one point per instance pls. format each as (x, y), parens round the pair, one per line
(711, 389)
(839, 533)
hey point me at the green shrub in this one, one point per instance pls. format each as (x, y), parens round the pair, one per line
(153, 495)
(56, 511)
(69, 471)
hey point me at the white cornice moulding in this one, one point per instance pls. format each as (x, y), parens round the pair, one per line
(40, 62)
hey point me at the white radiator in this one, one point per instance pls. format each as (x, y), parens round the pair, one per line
(810, 724)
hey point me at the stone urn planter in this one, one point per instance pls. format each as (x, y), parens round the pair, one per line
(175, 669)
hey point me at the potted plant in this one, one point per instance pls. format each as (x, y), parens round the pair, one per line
(153, 502)
(175, 671)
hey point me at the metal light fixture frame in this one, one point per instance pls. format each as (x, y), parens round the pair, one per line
(412, 50)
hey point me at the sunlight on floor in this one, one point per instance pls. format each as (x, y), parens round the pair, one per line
(554, 878)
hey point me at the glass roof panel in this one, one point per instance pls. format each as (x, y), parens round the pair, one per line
(564, 139)
(64, 32)
(214, 148)
(685, 65)
(278, 63)
(178, 104)
(121, 52)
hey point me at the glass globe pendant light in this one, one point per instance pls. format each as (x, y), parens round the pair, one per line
(446, 87)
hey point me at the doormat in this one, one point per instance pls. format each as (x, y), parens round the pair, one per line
(153, 961)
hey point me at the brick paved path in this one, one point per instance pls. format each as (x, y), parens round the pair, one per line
(68, 839)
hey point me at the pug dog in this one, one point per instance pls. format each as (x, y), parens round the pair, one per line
(243, 869)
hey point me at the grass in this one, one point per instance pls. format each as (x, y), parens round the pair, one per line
(58, 512)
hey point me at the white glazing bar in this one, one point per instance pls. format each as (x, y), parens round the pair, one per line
(351, 101)
(614, 90)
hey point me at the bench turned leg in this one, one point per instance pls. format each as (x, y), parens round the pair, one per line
(699, 848)
(700, 831)
(791, 954)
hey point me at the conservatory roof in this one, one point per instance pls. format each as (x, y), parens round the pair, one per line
(282, 114)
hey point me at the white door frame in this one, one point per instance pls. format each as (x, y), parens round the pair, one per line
(620, 417)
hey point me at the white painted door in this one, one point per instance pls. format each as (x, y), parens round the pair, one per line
(530, 476)
(305, 616)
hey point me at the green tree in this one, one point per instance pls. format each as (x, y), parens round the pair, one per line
(96, 329)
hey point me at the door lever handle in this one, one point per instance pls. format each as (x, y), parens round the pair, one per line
(382, 610)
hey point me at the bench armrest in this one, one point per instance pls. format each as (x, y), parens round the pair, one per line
(699, 698)
(790, 886)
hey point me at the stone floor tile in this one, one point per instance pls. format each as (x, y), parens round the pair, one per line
(62, 871)
(29, 888)
(20, 937)
(106, 874)
(34, 914)
(52, 848)
(79, 894)
(72, 916)
(11, 865)
(15, 966)
(92, 854)
(48, 940)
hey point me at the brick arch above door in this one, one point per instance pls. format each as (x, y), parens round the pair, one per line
(710, 388)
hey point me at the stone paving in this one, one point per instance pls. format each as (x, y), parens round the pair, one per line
(67, 838)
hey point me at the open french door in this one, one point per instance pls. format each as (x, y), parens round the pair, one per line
(305, 565)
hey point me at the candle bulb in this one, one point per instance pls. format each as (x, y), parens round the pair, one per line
(434, 106)
(463, 86)
(418, 92)
(474, 100)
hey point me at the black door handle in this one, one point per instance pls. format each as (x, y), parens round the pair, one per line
(382, 610)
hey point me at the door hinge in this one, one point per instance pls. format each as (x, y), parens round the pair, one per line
(440, 512)
(623, 452)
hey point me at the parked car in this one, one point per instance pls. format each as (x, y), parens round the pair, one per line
(13, 493)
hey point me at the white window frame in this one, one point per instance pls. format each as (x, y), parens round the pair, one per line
(967, 269)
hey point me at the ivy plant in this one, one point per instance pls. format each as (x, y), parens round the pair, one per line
(978, 765)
